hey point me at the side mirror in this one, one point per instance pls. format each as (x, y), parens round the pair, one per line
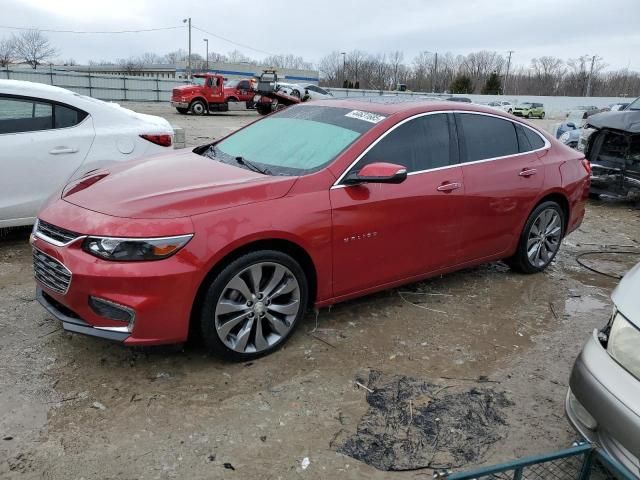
(379, 172)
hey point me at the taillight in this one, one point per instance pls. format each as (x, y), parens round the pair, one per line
(587, 165)
(162, 140)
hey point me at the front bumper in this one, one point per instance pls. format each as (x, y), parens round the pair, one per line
(159, 293)
(520, 113)
(612, 397)
(179, 104)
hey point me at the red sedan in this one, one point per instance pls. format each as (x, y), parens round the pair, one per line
(310, 206)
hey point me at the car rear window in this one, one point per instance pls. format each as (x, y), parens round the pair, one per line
(487, 137)
(299, 139)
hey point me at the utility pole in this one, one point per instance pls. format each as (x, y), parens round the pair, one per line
(593, 60)
(344, 66)
(206, 40)
(506, 77)
(188, 20)
(435, 72)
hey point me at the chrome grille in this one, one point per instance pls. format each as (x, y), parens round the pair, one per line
(50, 272)
(59, 235)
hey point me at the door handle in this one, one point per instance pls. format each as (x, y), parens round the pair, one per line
(449, 187)
(528, 172)
(61, 150)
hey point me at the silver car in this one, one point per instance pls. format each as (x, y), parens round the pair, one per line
(603, 401)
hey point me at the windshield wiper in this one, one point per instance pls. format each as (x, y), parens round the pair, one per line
(253, 166)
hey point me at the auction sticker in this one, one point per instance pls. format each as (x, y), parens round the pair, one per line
(366, 116)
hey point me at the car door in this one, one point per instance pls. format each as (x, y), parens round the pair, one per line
(243, 91)
(214, 90)
(503, 177)
(42, 143)
(384, 233)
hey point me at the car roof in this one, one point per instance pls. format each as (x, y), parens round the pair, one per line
(24, 87)
(399, 104)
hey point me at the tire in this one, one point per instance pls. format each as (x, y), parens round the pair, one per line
(510, 111)
(231, 99)
(241, 321)
(550, 216)
(198, 107)
(594, 196)
(263, 109)
(295, 93)
(182, 111)
(542, 116)
(527, 115)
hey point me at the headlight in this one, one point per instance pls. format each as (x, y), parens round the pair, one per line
(624, 344)
(564, 138)
(134, 249)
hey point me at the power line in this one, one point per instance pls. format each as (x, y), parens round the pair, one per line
(232, 41)
(49, 30)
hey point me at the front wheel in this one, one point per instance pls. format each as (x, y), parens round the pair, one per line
(527, 115)
(198, 108)
(182, 110)
(253, 305)
(542, 115)
(263, 108)
(540, 240)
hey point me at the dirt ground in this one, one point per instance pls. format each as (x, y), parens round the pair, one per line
(79, 407)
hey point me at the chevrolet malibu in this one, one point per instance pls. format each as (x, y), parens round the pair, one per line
(312, 205)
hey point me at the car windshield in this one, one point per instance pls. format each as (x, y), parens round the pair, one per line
(635, 105)
(199, 81)
(298, 140)
(526, 104)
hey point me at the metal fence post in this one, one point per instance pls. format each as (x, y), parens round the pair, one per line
(124, 86)
(157, 89)
(50, 74)
(90, 94)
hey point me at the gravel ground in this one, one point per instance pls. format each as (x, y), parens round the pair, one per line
(78, 407)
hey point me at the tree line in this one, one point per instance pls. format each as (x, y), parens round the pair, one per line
(483, 71)
(477, 72)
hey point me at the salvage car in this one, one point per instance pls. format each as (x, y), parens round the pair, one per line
(529, 109)
(298, 90)
(568, 132)
(502, 105)
(237, 238)
(50, 136)
(603, 400)
(611, 142)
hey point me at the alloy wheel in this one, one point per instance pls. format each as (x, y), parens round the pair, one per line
(544, 237)
(257, 308)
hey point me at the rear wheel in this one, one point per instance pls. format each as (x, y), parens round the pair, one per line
(182, 110)
(510, 111)
(527, 115)
(198, 107)
(253, 306)
(295, 93)
(263, 108)
(540, 240)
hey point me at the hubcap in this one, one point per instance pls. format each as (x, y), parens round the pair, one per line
(257, 307)
(198, 108)
(544, 238)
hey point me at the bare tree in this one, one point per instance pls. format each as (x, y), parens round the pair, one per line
(149, 58)
(548, 72)
(236, 56)
(7, 51)
(330, 67)
(395, 64)
(33, 47)
(286, 61)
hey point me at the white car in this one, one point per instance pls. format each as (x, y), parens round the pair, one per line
(297, 90)
(501, 105)
(50, 136)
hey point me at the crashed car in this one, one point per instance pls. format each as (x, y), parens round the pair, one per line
(568, 132)
(603, 400)
(611, 143)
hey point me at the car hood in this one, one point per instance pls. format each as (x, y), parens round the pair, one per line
(185, 89)
(628, 121)
(626, 293)
(172, 185)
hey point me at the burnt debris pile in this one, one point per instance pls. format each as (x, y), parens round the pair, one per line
(412, 424)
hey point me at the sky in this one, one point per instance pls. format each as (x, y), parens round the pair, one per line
(532, 28)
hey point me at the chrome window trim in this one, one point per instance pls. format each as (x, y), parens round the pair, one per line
(546, 146)
(46, 238)
(141, 239)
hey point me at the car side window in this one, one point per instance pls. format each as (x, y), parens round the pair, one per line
(244, 85)
(66, 117)
(487, 137)
(535, 139)
(24, 115)
(523, 141)
(422, 143)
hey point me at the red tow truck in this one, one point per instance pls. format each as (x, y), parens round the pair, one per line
(208, 93)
